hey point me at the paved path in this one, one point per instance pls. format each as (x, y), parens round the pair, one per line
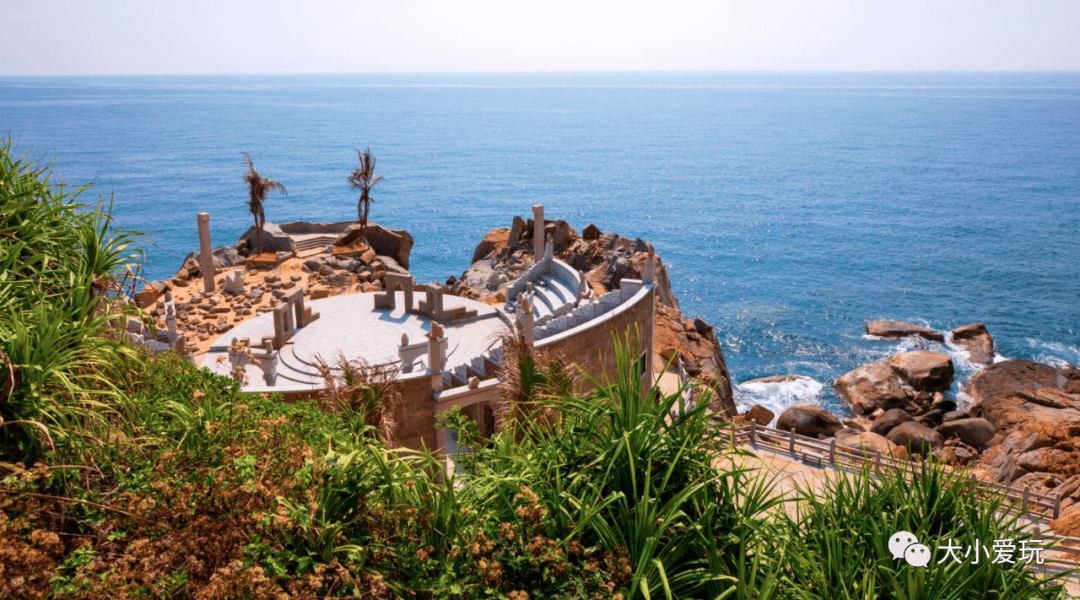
(350, 325)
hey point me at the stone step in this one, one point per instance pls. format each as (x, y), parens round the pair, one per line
(555, 287)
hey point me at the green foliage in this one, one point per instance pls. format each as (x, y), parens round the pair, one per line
(839, 542)
(61, 266)
(129, 475)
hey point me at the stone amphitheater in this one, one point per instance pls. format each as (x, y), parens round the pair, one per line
(446, 348)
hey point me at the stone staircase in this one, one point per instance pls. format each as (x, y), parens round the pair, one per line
(312, 241)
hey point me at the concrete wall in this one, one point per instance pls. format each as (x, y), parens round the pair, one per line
(592, 345)
(416, 412)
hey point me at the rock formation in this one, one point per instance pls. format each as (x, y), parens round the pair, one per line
(902, 329)
(976, 341)
(505, 253)
(809, 420)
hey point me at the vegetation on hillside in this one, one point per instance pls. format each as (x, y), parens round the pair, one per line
(126, 475)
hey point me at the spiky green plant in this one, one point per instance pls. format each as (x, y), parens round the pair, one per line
(62, 268)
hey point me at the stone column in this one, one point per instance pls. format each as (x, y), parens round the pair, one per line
(528, 324)
(648, 277)
(206, 253)
(538, 232)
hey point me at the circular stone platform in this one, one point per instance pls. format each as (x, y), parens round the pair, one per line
(350, 325)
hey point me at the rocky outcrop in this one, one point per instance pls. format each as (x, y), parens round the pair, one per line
(924, 370)
(273, 239)
(605, 259)
(1015, 392)
(870, 387)
(976, 341)
(809, 420)
(395, 243)
(902, 329)
(224, 256)
(1035, 411)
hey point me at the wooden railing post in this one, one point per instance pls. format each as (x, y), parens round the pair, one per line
(1024, 498)
(753, 436)
(791, 440)
(1057, 507)
(832, 451)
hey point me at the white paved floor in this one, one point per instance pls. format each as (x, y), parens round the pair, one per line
(350, 325)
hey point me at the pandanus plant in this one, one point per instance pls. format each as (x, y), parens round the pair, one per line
(363, 178)
(258, 188)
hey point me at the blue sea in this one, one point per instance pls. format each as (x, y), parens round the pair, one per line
(790, 208)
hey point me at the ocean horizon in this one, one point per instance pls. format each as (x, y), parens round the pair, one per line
(789, 208)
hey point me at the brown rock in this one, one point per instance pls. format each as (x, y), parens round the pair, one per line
(917, 438)
(871, 386)
(1043, 459)
(759, 414)
(809, 420)
(888, 420)
(1017, 392)
(902, 329)
(973, 432)
(976, 340)
(924, 370)
(492, 242)
(395, 243)
(591, 232)
(865, 442)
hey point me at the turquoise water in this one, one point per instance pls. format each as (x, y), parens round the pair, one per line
(789, 208)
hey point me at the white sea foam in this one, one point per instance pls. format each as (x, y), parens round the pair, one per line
(780, 395)
(1055, 354)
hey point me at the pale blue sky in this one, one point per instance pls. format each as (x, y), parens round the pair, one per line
(58, 37)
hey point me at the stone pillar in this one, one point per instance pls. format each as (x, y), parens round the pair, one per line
(435, 357)
(206, 253)
(649, 275)
(279, 327)
(538, 232)
(528, 324)
(297, 302)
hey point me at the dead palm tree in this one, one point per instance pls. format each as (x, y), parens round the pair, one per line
(363, 179)
(258, 188)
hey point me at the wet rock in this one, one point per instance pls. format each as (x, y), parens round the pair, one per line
(809, 420)
(924, 370)
(870, 387)
(973, 432)
(917, 438)
(976, 341)
(902, 329)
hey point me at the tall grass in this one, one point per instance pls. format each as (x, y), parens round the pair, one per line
(62, 265)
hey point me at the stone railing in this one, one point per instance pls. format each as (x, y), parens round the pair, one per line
(549, 265)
